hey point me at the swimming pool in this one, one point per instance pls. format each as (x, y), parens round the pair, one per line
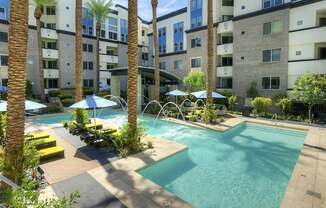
(247, 166)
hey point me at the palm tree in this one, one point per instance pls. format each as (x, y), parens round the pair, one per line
(17, 46)
(38, 14)
(99, 9)
(210, 52)
(79, 52)
(156, 55)
(132, 63)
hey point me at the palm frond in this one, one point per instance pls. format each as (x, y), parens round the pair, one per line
(99, 9)
(44, 2)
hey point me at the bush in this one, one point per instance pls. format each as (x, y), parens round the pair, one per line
(252, 90)
(103, 93)
(208, 115)
(88, 91)
(52, 108)
(54, 93)
(68, 101)
(226, 93)
(284, 104)
(3, 125)
(232, 101)
(261, 105)
(195, 81)
(81, 116)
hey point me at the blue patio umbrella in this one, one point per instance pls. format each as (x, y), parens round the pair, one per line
(93, 102)
(3, 89)
(203, 95)
(105, 86)
(176, 93)
(29, 105)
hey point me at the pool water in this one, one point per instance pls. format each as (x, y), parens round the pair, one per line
(247, 166)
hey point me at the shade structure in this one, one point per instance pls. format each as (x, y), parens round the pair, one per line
(203, 94)
(176, 93)
(29, 105)
(93, 102)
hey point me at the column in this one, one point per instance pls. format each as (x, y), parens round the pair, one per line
(115, 86)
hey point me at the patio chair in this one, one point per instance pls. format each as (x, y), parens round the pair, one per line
(51, 152)
(45, 142)
(38, 135)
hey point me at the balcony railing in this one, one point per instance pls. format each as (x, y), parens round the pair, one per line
(49, 34)
(225, 27)
(50, 53)
(225, 49)
(51, 73)
(224, 71)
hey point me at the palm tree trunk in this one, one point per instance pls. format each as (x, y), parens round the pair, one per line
(132, 63)
(79, 53)
(38, 15)
(156, 55)
(98, 30)
(210, 52)
(18, 34)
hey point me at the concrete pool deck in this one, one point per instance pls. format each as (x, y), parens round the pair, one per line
(306, 187)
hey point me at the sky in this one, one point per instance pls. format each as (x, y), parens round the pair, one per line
(164, 7)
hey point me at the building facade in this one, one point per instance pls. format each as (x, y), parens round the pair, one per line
(270, 42)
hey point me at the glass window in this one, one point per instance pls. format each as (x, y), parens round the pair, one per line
(270, 83)
(90, 65)
(5, 82)
(275, 83)
(162, 65)
(227, 3)
(50, 10)
(51, 83)
(267, 56)
(3, 60)
(2, 13)
(267, 28)
(90, 30)
(85, 47)
(276, 54)
(196, 63)
(3, 37)
(90, 48)
(224, 82)
(267, 4)
(266, 83)
(85, 65)
(277, 26)
(178, 65)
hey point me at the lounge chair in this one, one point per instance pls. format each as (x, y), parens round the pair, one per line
(98, 125)
(45, 142)
(39, 135)
(51, 152)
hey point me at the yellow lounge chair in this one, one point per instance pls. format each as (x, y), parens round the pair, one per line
(39, 135)
(51, 152)
(98, 125)
(45, 142)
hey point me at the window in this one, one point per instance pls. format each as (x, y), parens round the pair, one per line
(50, 10)
(90, 65)
(90, 48)
(110, 66)
(196, 42)
(322, 53)
(298, 53)
(51, 83)
(226, 17)
(85, 65)
(227, 3)
(227, 61)
(144, 56)
(196, 13)
(196, 63)
(178, 65)
(111, 51)
(270, 83)
(143, 33)
(271, 3)
(90, 30)
(224, 83)
(322, 21)
(272, 27)
(88, 83)
(50, 64)
(273, 55)
(3, 13)
(124, 30)
(103, 33)
(5, 82)
(3, 37)
(52, 26)
(162, 65)
(178, 36)
(85, 47)
(3, 60)
(113, 28)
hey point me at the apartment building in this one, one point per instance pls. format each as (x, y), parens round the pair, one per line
(271, 42)
(58, 45)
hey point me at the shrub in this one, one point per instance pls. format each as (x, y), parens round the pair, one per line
(81, 116)
(261, 105)
(252, 90)
(88, 91)
(232, 101)
(150, 145)
(284, 104)
(54, 93)
(226, 93)
(103, 93)
(67, 101)
(195, 81)
(3, 125)
(208, 115)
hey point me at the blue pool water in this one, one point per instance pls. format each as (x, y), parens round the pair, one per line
(247, 166)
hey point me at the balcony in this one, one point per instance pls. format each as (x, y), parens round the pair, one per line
(51, 73)
(225, 27)
(109, 59)
(300, 67)
(50, 53)
(224, 71)
(49, 34)
(225, 49)
(306, 37)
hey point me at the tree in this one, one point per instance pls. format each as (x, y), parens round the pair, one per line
(132, 63)
(156, 53)
(78, 51)
(99, 9)
(310, 89)
(38, 14)
(252, 90)
(17, 44)
(210, 52)
(194, 81)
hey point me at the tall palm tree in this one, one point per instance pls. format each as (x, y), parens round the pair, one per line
(210, 52)
(99, 9)
(132, 62)
(38, 14)
(78, 51)
(156, 55)
(17, 45)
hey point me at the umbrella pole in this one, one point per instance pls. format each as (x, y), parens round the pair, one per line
(94, 116)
